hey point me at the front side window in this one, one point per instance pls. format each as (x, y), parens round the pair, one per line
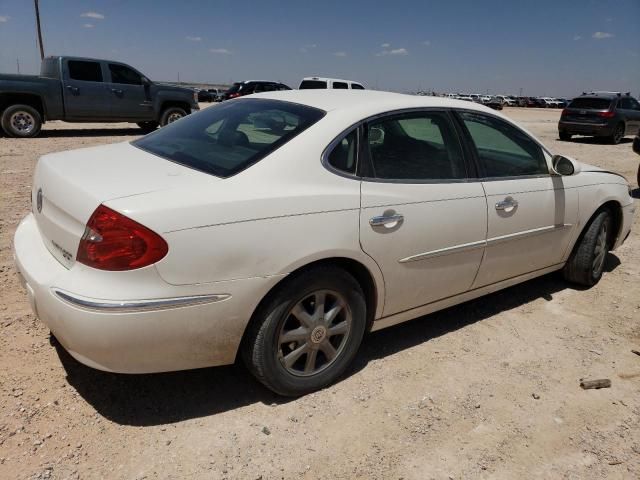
(340, 85)
(225, 140)
(85, 71)
(124, 75)
(502, 149)
(344, 154)
(416, 146)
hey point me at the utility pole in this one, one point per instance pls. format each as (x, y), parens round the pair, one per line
(18, 64)
(39, 29)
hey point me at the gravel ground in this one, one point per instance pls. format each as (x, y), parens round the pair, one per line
(488, 389)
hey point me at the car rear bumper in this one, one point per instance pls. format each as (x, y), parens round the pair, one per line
(150, 325)
(594, 129)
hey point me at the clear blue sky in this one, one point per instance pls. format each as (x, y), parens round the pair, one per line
(557, 48)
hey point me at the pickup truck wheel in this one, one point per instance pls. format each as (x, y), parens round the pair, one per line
(172, 114)
(148, 127)
(21, 121)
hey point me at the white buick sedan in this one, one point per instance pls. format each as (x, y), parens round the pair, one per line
(283, 226)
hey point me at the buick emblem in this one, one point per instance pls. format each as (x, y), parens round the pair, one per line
(39, 200)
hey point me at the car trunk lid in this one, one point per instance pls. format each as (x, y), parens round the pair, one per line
(69, 186)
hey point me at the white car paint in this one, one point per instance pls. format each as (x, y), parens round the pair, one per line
(234, 239)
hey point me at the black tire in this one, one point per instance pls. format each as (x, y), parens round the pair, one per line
(21, 121)
(617, 135)
(148, 127)
(263, 349)
(171, 114)
(565, 137)
(583, 266)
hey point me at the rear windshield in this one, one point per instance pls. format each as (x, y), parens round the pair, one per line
(234, 88)
(227, 139)
(312, 84)
(590, 103)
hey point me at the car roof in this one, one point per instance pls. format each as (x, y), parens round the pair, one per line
(327, 79)
(366, 102)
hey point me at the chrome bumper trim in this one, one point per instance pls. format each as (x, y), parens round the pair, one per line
(125, 306)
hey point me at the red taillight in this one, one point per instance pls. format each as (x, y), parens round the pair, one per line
(606, 114)
(114, 242)
(234, 95)
(564, 112)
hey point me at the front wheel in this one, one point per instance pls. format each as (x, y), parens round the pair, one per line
(21, 121)
(307, 334)
(171, 115)
(586, 263)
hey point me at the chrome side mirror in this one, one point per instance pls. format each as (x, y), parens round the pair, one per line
(564, 166)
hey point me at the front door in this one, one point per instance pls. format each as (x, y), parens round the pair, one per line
(531, 216)
(84, 90)
(421, 220)
(630, 108)
(130, 98)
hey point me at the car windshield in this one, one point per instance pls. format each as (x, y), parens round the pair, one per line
(227, 139)
(591, 103)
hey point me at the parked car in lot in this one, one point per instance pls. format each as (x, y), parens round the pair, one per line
(507, 100)
(88, 90)
(321, 83)
(205, 96)
(281, 227)
(609, 115)
(495, 103)
(248, 87)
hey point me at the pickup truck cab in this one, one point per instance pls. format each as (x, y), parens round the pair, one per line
(88, 90)
(315, 83)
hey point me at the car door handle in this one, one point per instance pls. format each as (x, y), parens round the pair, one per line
(384, 220)
(74, 90)
(117, 91)
(507, 204)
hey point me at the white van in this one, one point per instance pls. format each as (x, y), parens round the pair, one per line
(309, 83)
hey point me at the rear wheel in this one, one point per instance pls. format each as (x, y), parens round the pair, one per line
(565, 137)
(171, 115)
(618, 134)
(21, 121)
(586, 263)
(308, 333)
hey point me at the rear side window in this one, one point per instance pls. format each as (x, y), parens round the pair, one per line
(357, 86)
(124, 75)
(503, 150)
(420, 147)
(85, 71)
(344, 154)
(312, 84)
(340, 85)
(227, 139)
(590, 103)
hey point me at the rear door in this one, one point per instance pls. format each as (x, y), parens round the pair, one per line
(630, 110)
(421, 220)
(130, 98)
(85, 92)
(531, 216)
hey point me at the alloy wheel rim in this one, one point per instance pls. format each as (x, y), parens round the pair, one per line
(314, 333)
(173, 117)
(600, 251)
(22, 122)
(619, 133)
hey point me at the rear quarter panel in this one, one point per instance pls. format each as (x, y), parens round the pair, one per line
(49, 90)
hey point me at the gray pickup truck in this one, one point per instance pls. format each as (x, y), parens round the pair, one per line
(88, 90)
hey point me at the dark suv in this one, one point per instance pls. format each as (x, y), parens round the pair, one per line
(601, 114)
(240, 89)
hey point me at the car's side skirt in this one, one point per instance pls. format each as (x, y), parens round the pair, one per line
(456, 299)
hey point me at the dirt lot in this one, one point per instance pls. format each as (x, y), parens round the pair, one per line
(488, 389)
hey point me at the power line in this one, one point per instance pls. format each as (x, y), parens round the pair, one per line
(39, 29)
